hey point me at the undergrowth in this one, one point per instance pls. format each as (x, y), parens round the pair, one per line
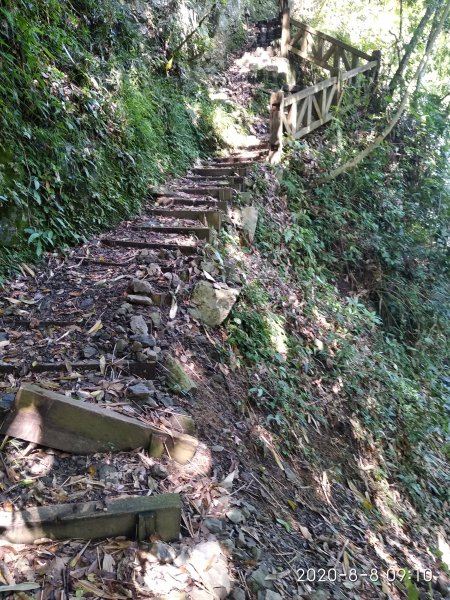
(356, 278)
(88, 120)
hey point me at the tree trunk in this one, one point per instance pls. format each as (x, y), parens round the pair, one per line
(410, 49)
(434, 34)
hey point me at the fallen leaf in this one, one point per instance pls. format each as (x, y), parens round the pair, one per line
(20, 587)
(96, 327)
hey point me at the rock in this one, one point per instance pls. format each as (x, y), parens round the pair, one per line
(210, 563)
(257, 579)
(155, 317)
(3, 337)
(319, 595)
(269, 595)
(138, 325)
(212, 304)
(443, 585)
(235, 516)
(86, 302)
(121, 346)
(246, 218)
(177, 379)
(166, 401)
(6, 401)
(151, 403)
(139, 393)
(147, 341)
(141, 300)
(214, 525)
(124, 309)
(163, 552)
(249, 221)
(108, 473)
(138, 286)
(89, 351)
(238, 594)
(159, 471)
(154, 270)
(136, 346)
(152, 355)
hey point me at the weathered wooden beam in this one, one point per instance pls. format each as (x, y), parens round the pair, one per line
(222, 193)
(331, 39)
(183, 248)
(316, 61)
(226, 171)
(50, 419)
(212, 217)
(309, 91)
(202, 233)
(357, 70)
(140, 369)
(133, 517)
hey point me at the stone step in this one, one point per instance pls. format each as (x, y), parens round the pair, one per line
(202, 233)
(186, 249)
(212, 217)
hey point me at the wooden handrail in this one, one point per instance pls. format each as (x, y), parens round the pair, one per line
(288, 100)
(362, 69)
(331, 39)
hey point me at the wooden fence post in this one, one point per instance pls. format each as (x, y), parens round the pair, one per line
(285, 28)
(376, 55)
(276, 127)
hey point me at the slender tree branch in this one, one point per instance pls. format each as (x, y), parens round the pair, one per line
(403, 103)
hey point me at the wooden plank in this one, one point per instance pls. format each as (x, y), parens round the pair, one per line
(212, 217)
(222, 193)
(309, 110)
(312, 126)
(56, 421)
(310, 90)
(305, 55)
(301, 112)
(317, 107)
(331, 39)
(221, 171)
(133, 516)
(331, 97)
(345, 59)
(140, 369)
(357, 70)
(329, 53)
(186, 249)
(202, 233)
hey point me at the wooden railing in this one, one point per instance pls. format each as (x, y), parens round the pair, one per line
(302, 112)
(323, 50)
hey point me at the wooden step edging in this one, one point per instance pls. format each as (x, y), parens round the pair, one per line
(221, 171)
(134, 517)
(180, 201)
(140, 369)
(202, 233)
(183, 248)
(56, 421)
(212, 217)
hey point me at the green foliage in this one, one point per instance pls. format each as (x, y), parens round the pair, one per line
(368, 257)
(87, 123)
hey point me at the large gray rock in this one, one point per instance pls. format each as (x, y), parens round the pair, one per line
(212, 304)
(138, 325)
(138, 286)
(177, 378)
(249, 221)
(246, 218)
